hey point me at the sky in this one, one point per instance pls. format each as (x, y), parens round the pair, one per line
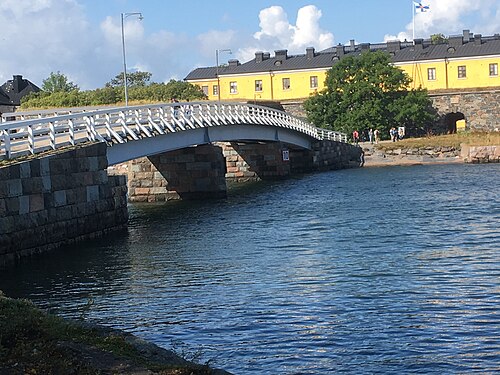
(82, 38)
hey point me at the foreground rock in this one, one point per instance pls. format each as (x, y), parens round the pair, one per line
(33, 342)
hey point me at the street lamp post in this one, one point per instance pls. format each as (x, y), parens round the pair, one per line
(217, 51)
(125, 15)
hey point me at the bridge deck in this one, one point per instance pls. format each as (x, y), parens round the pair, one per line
(37, 131)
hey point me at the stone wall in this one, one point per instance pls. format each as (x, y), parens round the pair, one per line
(255, 161)
(189, 173)
(431, 152)
(331, 155)
(58, 199)
(480, 154)
(480, 109)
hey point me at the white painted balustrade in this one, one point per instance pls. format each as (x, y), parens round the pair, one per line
(36, 131)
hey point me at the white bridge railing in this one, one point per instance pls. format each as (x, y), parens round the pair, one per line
(37, 131)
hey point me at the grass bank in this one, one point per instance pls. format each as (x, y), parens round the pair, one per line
(449, 140)
(33, 342)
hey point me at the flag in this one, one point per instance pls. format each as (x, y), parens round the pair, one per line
(419, 7)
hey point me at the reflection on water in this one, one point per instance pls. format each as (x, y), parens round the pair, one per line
(388, 270)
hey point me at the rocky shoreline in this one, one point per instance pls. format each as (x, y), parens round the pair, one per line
(377, 156)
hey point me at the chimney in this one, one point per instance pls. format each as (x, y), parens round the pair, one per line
(310, 52)
(233, 63)
(467, 35)
(419, 44)
(393, 46)
(17, 81)
(477, 39)
(259, 57)
(365, 47)
(266, 56)
(352, 44)
(455, 41)
(340, 50)
(281, 54)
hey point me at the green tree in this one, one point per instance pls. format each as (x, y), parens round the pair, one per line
(438, 39)
(133, 79)
(58, 82)
(366, 91)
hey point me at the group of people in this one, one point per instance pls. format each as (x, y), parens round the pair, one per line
(397, 134)
(373, 136)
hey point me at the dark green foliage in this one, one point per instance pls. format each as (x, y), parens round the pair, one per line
(153, 93)
(133, 79)
(366, 91)
(438, 39)
(58, 82)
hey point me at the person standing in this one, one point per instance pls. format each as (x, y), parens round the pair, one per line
(394, 134)
(370, 135)
(355, 136)
(375, 133)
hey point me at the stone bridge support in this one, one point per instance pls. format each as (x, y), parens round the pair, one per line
(201, 172)
(256, 161)
(189, 173)
(57, 200)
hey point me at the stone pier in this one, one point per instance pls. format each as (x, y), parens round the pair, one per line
(201, 172)
(189, 173)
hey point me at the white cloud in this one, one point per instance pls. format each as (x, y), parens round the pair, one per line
(278, 33)
(41, 36)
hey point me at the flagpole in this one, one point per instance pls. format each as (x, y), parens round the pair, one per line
(413, 12)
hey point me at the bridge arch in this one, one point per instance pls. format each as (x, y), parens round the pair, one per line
(120, 153)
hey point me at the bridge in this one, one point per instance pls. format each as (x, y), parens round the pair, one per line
(168, 151)
(132, 132)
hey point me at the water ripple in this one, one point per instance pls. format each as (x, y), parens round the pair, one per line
(383, 270)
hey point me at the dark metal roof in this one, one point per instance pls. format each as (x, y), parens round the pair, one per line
(4, 99)
(15, 89)
(465, 45)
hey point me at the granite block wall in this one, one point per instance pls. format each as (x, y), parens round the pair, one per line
(255, 161)
(190, 173)
(58, 199)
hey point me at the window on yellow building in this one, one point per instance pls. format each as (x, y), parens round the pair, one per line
(313, 82)
(233, 87)
(493, 70)
(431, 74)
(286, 83)
(462, 72)
(258, 85)
(215, 90)
(205, 90)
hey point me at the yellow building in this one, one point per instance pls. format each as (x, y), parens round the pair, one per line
(459, 62)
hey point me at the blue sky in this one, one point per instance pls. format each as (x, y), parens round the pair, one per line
(82, 38)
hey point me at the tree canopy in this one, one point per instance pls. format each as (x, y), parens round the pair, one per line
(366, 91)
(133, 79)
(58, 82)
(140, 91)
